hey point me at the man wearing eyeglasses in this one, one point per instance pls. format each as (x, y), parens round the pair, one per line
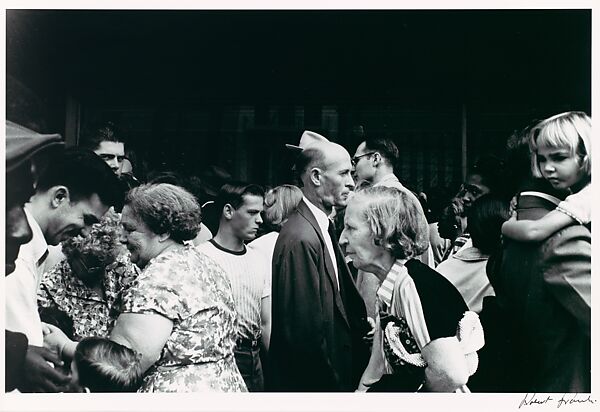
(374, 162)
(107, 144)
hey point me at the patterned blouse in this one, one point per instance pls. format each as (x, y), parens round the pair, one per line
(78, 310)
(192, 291)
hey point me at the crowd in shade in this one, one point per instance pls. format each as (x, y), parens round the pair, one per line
(342, 280)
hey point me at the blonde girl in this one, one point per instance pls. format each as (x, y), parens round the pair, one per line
(561, 150)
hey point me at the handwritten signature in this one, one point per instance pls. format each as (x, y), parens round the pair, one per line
(564, 400)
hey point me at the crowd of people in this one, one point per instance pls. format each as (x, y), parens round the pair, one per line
(343, 280)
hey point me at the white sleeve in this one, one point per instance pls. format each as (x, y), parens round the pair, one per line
(578, 205)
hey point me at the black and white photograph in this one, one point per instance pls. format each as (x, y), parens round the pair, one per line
(318, 206)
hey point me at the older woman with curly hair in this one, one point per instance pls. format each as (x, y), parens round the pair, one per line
(179, 313)
(424, 335)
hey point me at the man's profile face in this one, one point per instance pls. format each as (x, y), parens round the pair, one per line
(472, 189)
(70, 218)
(19, 188)
(247, 218)
(113, 153)
(363, 168)
(337, 182)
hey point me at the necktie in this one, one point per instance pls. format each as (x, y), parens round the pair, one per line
(41, 260)
(336, 250)
(332, 234)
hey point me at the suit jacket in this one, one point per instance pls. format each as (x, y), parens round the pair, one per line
(539, 322)
(317, 329)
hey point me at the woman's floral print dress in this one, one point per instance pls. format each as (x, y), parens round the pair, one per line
(192, 291)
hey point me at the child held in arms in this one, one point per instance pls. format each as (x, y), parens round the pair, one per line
(561, 150)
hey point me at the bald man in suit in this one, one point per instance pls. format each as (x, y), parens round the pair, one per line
(319, 318)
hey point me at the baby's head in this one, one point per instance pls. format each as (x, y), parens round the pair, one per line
(102, 365)
(569, 131)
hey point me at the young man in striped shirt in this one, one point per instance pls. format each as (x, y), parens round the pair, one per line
(240, 206)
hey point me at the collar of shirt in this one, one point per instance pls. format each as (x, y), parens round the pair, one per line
(322, 219)
(462, 242)
(386, 290)
(470, 253)
(389, 178)
(37, 248)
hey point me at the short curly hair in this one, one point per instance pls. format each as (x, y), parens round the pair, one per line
(396, 220)
(166, 208)
(100, 244)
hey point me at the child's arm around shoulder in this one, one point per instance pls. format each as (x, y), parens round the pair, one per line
(536, 230)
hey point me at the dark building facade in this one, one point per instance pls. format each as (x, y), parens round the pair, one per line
(230, 88)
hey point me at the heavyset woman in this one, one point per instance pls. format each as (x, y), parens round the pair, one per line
(179, 313)
(416, 345)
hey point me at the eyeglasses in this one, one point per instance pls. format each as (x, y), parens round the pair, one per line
(355, 159)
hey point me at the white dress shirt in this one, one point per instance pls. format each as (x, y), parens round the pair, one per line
(22, 285)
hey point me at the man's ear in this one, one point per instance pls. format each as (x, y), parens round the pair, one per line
(228, 211)
(163, 236)
(59, 195)
(376, 159)
(315, 176)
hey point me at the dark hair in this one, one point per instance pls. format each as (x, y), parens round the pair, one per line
(437, 198)
(19, 185)
(491, 170)
(128, 181)
(106, 366)
(450, 222)
(518, 157)
(233, 194)
(166, 208)
(166, 176)
(84, 173)
(484, 222)
(108, 131)
(385, 147)
(518, 176)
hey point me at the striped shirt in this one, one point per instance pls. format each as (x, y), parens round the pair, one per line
(248, 274)
(386, 290)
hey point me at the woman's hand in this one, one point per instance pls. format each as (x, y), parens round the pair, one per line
(56, 341)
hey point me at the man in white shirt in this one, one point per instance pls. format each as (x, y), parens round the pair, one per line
(72, 193)
(241, 206)
(28, 368)
(319, 318)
